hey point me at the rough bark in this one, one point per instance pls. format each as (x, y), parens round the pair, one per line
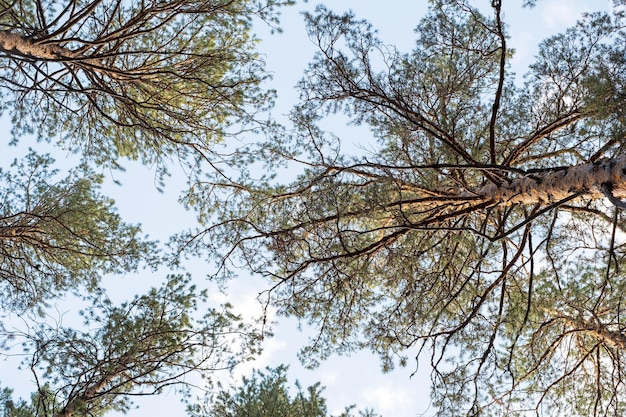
(14, 43)
(598, 330)
(552, 186)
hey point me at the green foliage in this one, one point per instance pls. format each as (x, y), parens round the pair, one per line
(10, 408)
(266, 394)
(151, 80)
(405, 248)
(59, 234)
(139, 347)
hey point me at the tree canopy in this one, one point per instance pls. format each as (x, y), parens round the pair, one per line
(138, 348)
(149, 81)
(479, 227)
(144, 80)
(266, 394)
(60, 234)
(476, 224)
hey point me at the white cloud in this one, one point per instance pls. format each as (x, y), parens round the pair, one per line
(271, 349)
(389, 399)
(564, 13)
(529, 26)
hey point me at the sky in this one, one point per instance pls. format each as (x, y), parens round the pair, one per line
(358, 379)
(349, 380)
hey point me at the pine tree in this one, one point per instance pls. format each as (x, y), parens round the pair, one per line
(266, 394)
(482, 230)
(152, 81)
(146, 80)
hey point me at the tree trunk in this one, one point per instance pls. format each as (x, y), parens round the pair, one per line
(598, 330)
(592, 180)
(13, 43)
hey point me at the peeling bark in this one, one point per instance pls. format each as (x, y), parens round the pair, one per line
(553, 186)
(14, 43)
(598, 330)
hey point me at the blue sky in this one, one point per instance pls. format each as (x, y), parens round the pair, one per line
(357, 379)
(349, 380)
